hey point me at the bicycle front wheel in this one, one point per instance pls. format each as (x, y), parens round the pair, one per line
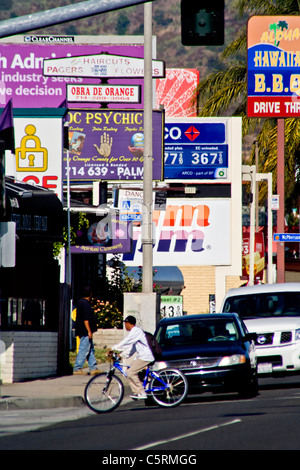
(103, 394)
(169, 387)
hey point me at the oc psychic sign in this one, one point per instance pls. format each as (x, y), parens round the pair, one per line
(109, 145)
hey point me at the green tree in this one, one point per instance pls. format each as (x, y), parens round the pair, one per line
(122, 24)
(225, 93)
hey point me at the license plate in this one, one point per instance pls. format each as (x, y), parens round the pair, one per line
(264, 368)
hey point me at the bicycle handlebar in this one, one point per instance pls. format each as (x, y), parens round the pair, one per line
(113, 355)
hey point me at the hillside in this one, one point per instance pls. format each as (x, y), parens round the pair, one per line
(129, 21)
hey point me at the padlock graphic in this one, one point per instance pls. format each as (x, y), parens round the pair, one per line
(30, 156)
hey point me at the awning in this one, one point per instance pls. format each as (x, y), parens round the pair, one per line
(37, 211)
(168, 280)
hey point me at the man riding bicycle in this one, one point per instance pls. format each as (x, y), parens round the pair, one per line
(137, 355)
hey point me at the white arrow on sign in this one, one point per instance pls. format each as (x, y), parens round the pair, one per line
(101, 66)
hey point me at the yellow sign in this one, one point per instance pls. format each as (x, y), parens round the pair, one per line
(31, 155)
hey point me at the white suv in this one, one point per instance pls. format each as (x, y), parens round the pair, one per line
(273, 312)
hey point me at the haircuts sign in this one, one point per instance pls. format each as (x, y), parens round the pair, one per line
(273, 66)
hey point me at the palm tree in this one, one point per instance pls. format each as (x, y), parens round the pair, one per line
(225, 93)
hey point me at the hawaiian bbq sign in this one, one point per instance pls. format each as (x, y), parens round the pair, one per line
(273, 66)
(109, 145)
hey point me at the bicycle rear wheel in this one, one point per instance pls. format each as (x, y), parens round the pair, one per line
(171, 385)
(103, 394)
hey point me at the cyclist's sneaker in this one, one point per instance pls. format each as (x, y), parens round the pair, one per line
(139, 396)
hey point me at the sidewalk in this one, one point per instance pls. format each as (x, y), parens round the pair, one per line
(53, 392)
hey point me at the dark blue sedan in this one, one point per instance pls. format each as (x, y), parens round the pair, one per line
(215, 352)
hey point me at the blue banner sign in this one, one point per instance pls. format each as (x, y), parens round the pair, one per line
(286, 237)
(195, 151)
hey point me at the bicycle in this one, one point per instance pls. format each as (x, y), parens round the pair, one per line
(105, 391)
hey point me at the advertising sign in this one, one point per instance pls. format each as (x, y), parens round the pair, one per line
(38, 144)
(108, 235)
(273, 66)
(101, 66)
(176, 92)
(21, 72)
(109, 145)
(259, 256)
(104, 93)
(196, 149)
(171, 306)
(189, 232)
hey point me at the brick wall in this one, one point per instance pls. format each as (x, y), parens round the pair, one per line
(107, 337)
(199, 282)
(27, 355)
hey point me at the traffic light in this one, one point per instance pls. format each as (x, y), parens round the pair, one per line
(202, 22)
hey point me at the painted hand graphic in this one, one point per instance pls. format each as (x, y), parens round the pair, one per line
(105, 145)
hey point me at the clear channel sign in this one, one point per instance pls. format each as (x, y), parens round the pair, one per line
(196, 149)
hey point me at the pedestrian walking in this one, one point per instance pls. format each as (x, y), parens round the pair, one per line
(85, 326)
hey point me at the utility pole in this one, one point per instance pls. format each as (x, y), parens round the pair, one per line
(147, 239)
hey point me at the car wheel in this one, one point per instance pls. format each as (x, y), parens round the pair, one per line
(249, 389)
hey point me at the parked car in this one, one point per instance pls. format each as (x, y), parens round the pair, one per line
(273, 312)
(215, 352)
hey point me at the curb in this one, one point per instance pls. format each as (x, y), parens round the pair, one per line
(40, 403)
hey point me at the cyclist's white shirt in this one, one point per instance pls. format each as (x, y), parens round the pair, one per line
(135, 342)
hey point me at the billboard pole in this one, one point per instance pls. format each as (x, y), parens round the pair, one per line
(147, 241)
(280, 191)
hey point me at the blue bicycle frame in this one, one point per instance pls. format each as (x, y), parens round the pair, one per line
(149, 373)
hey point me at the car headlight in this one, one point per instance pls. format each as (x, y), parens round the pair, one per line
(297, 335)
(232, 360)
(159, 365)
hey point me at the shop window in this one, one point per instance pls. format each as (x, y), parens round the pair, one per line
(26, 312)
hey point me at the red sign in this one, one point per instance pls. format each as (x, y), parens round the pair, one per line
(176, 92)
(259, 256)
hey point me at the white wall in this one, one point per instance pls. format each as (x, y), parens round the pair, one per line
(27, 355)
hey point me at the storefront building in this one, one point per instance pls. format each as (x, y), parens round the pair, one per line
(30, 291)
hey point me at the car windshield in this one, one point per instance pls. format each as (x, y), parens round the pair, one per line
(197, 332)
(278, 304)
